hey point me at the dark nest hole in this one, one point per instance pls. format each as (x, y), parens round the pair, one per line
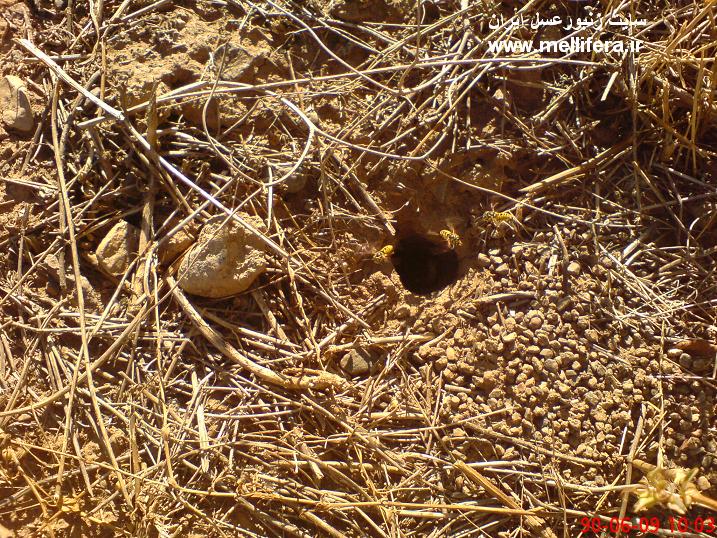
(423, 265)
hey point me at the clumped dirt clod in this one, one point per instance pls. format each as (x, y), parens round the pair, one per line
(225, 260)
(15, 107)
(118, 248)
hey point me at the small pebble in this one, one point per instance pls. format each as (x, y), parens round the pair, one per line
(171, 248)
(592, 335)
(674, 353)
(118, 248)
(574, 269)
(440, 364)
(551, 365)
(225, 260)
(535, 323)
(355, 362)
(607, 262)
(563, 388)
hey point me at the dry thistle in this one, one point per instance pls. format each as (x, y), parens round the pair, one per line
(674, 490)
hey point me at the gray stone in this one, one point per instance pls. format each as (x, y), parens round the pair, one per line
(356, 362)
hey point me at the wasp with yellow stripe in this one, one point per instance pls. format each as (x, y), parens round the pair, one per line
(496, 221)
(452, 239)
(383, 254)
(494, 218)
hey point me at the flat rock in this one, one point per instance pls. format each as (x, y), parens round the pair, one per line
(483, 260)
(356, 362)
(225, 260)
(15, 104)
(502, 270)
(118, 248)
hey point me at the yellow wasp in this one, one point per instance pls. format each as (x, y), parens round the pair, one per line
(494, 217)
(452, 238)
(383, 254)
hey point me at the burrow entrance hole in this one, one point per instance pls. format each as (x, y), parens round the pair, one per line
(424, 265)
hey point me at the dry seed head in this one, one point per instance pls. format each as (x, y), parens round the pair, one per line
(673, 490)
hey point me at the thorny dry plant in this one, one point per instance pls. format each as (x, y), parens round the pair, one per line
(155, 414)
